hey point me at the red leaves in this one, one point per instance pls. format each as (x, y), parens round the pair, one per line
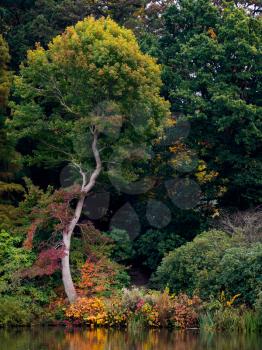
(58, 210)
(56, 214)
(47, 263)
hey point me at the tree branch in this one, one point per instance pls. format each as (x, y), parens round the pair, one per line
(98, 168)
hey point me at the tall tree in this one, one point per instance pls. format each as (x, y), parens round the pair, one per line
(212, 77)
(7, 152)
(92, 97)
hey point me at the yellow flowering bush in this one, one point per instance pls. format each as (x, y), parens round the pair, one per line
(88, 310)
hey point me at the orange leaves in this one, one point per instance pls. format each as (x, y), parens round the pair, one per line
(28, 243)
(89, 310)
(178, 147)
(97, 276)
(212, 33)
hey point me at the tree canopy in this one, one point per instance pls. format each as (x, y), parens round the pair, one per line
(212, 77)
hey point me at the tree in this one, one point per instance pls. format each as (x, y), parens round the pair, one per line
(253, 7)
(212, 78)
(30, 21)
(7, 154)
(88, 99)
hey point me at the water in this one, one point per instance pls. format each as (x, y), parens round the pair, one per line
(101, 339)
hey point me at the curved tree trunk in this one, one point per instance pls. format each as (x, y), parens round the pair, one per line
(66, 273)
(68, 232)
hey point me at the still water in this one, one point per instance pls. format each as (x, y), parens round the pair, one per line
(101, 339)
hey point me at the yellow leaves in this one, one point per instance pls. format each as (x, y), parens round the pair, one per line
(202, 175)
(230, 302)
(215, 213)
(171, 122)
(37, 55)
(91, 310)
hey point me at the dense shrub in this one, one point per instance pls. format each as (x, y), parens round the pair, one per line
(89, 310)
(103, 277)
(221, 314)
(12, 259)
(195, 265)
(212, 262)
(14, 312)
(240, 271)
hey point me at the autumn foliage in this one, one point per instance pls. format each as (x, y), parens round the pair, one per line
(151, 309)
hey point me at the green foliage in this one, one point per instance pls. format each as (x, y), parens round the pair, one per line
(241, 271)
(213, 262)
(8, 155)
(14, 312)
(4, 76)
(219, 315)
(92, 77)
(194, 265)
(13, 257)
(153, 245)
(212, 77)
(122, 246)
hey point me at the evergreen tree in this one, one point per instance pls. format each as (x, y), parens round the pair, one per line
(7, 152)
(212, 77)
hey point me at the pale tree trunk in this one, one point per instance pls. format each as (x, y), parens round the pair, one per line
(68, 232)
(66, 273)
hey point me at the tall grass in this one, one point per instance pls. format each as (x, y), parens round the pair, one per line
(231, 320)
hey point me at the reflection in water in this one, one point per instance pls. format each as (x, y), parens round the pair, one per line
(101, 339)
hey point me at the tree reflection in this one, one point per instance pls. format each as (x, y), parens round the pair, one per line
(103, 339)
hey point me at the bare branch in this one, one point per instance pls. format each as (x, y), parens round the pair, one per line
(248, 223)
(82, 173)
(61, 99)
(98, 168)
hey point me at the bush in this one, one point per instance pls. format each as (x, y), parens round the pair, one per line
(136, 308)
(258, 304)
(212, 262)
(14, 312)
(195, 265)
(241, 271)
(102, 277)
(13, 257)
(91, 311)
(220, 314)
